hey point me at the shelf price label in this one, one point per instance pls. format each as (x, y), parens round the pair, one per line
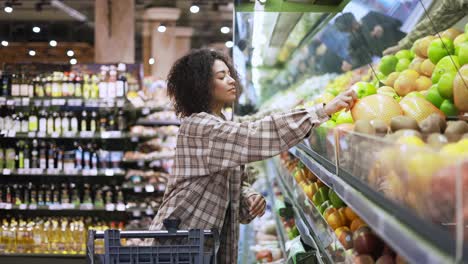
(110, 207)
(86, 134)
(109, 172)
(25, 101)
(105, 134)
(23, 206)
(120, 207)
(6, 172)
(137, 188)
(145, 111)
(136, 213)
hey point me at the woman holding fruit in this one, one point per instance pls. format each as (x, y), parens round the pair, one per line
(207, 188)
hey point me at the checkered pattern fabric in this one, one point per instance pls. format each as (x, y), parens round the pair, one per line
(207, 188)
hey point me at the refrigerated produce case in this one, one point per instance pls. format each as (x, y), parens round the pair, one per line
(409, 193)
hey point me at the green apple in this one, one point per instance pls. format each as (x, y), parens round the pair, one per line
(446, 64)
(445, 85)
(344, 117)
(402, 64)
(324, 207)
(404, 54)
(388, 64)
(320, 196)
(440, 48)
(434, 97)
(335, 199)
(448, 108)
(364, 89)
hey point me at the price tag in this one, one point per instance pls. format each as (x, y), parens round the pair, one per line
(2, 205)
(93, 172)
(53, 171)
(21, 171)
(41, 134)
(137, 188)
(120, 102)
(32, 206)
(8, 206)
(69, 134)
(161, 187)
(86, 206)
(31, 134)
(105, 134)
(55, 135)
(141, 163)
(136, 213)
(68, 206)
(149, 188)
(86, 134)
(116, 134)
(120, 207)
(134, 139)
(23, 206)
(36, 171)
(6, 172)
(25, 101)
(149, 211)
(55, 207)
(10, 102)
(11, 133)
(145, 111)
(109, 172)
(17, 101)
(75, 102)
(110, 207)
(2, 100)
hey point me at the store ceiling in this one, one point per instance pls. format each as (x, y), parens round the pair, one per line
(17, 26)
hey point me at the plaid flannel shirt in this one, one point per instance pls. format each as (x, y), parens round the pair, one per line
(206, 189)
(446, 15)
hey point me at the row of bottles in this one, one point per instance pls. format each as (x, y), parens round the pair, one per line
(61, 122)
(48, 155)
(51, 235)
(111, 82)
(65, 194)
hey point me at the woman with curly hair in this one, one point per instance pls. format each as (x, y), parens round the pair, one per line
(207, 187)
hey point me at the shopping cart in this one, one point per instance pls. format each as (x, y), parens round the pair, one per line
(192, 250)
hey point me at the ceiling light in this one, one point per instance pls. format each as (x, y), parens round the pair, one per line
(53, 43)
(162, 28)
(70, 53)
(36, 29)
(8, 8)
(32, 53)
(229, 44)
(194, 9)
(225, 30)
(73, 61)
(4, 43)
(151, 61)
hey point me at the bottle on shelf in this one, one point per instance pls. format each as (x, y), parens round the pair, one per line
(65, 122)
(87, 87)
(24, 86)
(78, 83)
(84, 121)
(95, 87)
(57, 123)
(93, 122)
(33, 121)
(6, 84)
(121, 122)
(39, 86)
(15, 85)
(50, 124)
(104, 83)
(42, 155)
(48, 81)
(43, 121)
(23, 119)
(121, 86)
(74, 124)
(30, 87)
(35, 154)
(2, 160)
(27, 157)
(112, 82)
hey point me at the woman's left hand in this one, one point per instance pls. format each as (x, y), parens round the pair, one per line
(257, 205)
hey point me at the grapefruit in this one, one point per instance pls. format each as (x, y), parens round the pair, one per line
(427, 67)
(460, 89)
(391, 79)
(376, 106)
(421, 46)
(423, 83)
(451, 33)
(418, 108)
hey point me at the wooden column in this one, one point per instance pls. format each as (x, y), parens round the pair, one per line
(114, 35)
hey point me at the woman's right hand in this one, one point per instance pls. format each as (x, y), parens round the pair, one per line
(345, 99)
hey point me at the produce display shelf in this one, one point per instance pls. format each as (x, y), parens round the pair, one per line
(412, 242)
(283, 237)
(148, 122)
(321, 239)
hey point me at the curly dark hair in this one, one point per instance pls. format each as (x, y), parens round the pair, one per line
(344, 23)
(190, 81)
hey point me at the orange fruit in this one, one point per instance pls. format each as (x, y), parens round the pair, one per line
(356, 224)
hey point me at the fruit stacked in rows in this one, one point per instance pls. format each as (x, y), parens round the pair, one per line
(352, 232)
